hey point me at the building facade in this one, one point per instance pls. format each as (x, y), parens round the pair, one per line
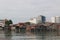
(33, 21)
(55, 19)
(2, 23)
(39, 19)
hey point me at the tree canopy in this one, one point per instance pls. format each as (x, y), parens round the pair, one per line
(8, 22)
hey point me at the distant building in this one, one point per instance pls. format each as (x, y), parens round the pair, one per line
(2, 23)
(55, 19)
(39, 19)
(33, 21)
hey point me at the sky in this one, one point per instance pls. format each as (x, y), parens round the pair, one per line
(23, 10)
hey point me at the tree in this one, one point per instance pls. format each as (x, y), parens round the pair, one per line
(8, 22)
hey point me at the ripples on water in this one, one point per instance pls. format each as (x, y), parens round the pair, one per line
(30, 35)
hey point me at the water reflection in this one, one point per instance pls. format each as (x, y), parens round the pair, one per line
(42, 35)
(38, 36)
(8, 34)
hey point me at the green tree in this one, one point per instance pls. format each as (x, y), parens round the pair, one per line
(8, 22)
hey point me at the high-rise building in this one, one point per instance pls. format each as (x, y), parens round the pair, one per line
(39, 19)
(55, 19)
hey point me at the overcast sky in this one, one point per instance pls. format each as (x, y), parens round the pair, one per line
(23, 10)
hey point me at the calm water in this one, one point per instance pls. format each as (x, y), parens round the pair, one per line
(5, 35)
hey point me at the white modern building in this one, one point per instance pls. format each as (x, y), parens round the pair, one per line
(55, 19)
(2, 23)
(41, 19)
(36, 20)
(33, 20)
